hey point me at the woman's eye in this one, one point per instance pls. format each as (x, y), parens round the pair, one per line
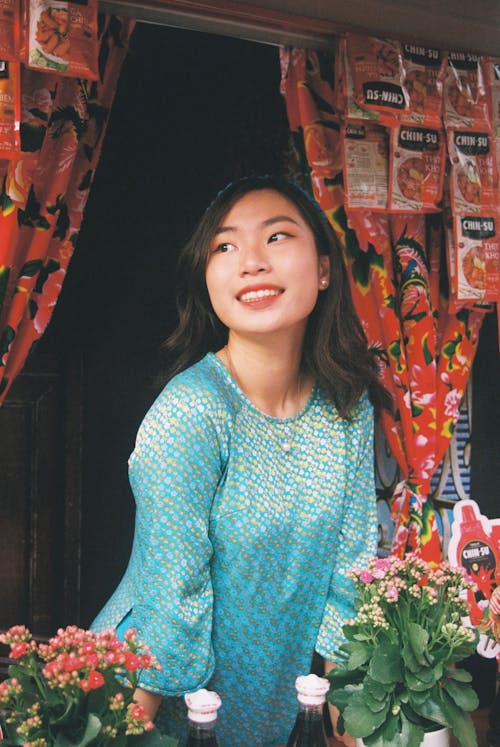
(278, 236)
(223, 248)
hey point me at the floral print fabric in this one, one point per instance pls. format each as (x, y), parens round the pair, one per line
(43, 194)
(239, 565)
(424, 352)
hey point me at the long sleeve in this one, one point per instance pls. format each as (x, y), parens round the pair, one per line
(358, 534)
(166, 593)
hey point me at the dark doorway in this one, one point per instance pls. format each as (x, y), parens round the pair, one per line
(192, 112)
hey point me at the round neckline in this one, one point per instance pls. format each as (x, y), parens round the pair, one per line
(272, 418)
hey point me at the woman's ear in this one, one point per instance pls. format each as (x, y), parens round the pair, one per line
(324, 272)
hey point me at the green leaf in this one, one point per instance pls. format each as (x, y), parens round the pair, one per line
(416, 684)
(459, 722)
(359, 720)
(418, 637)
(431, 709)
(359, 654)
(385, 665)
(463, 694)
(375, 689)
(92, 729)
(409, 658)
(461, 675)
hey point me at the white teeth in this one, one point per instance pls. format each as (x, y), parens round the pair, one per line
(254, 295)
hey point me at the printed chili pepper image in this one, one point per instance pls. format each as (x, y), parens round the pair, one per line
(462, 95)
(52, 32)
(388, 59)
(469, 182)
(411, 176)
(474, 268)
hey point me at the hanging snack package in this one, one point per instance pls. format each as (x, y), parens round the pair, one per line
(425, 69)
(366, 166)
(62, 37)
(346, 101)
(378, 74)
(10, 29)
(10, 109)
(466, 99)
(477, 256)
(474, 180)
(416, 169)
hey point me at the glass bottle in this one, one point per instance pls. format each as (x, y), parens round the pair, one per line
(202, 718)
(309, 729)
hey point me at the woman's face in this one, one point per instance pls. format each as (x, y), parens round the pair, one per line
(263, 270)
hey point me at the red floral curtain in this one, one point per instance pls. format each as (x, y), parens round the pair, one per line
(43, 194)
(424, 352)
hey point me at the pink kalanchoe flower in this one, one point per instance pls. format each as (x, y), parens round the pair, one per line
(17, 650)
(392, 594)
(366, 577)
(132, 662)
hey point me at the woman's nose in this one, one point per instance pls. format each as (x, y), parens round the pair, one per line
(253, 260)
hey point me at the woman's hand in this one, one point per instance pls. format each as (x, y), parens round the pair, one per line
(149, 701)
(334, 715)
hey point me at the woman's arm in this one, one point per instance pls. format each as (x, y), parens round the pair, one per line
(149, 701)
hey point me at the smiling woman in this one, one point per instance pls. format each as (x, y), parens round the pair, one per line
(253, 470)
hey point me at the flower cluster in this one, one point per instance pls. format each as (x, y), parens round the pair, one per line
(399, 675)
(76, 688)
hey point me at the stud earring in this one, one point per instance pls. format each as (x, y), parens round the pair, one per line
(323, 283)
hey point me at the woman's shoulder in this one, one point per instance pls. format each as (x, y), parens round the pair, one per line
(198, 392)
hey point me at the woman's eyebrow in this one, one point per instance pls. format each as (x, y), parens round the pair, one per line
(279, 219)
(265, 223)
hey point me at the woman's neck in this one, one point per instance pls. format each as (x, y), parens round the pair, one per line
(269, 373)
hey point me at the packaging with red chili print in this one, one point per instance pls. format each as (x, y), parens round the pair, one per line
(416, 169)
(425, 69)
(477, 256)
(346, 100)
(474, 181)
(10, 109)
(378, 75)
(62, 37)
(10, 29)
(366, 166)
(466, 99)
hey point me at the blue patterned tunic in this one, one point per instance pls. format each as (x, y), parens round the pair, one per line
(238, 568)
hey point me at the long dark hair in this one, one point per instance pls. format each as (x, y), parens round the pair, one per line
(335, 350)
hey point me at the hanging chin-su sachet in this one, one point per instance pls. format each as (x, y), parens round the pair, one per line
(474, 178)
(10, 109)
(425, 69)
(366, 166)
(62, 37)
(347, 103)
(477, 257)
(10, 29)
(416, 169)
(378, 76)
(465, 93)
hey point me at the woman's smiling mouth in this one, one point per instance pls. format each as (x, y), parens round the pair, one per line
(259, 295)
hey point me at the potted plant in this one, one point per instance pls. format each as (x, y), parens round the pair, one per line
(398, 680)
(75, 690)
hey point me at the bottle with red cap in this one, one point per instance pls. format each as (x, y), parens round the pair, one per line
(202, 717)
(309, 729)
